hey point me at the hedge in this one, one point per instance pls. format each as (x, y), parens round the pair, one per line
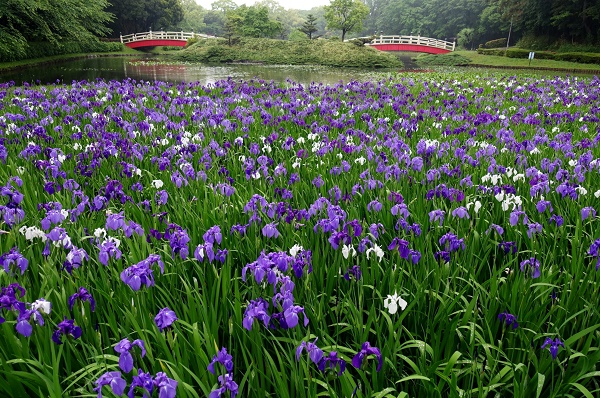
(583, 58)
(497, 43)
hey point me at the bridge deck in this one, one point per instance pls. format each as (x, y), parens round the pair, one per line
(166, 38)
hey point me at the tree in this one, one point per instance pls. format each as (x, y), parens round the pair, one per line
(23, 21)
(465, 37)
(309, 27)
(193, 17)
(346, 15)
(256, 22)
(132, 16)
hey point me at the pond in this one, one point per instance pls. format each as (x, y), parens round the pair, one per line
(152, 68)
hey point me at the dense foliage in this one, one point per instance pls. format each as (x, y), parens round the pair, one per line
(424, 236)
(53, 22)
(132, 16)
(282, 52)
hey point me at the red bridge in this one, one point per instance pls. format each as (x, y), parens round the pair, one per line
(413, 44)
(153, 39)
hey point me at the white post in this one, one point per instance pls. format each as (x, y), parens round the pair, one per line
(150, 34)
(121, 36)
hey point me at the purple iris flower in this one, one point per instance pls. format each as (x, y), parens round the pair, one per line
(131, 227)
(178, 240)
(558, 220)
(224, 359)
(314, 353)
(66, 327)
(82, 295)
(460, 212)
(542, 205)
(52, 217)
(114, 380)
(553, 346)
(515, 215)
(213, 235)
(437, 215)
(374, 205)
(125, 359)
(24, 326)
(270, 231)
(332, 360)
(533, 228)
(291, 316)
(108, 249)
(165, 318)
(167, 388)
(227, 384)
(353, 271)
(257, 309)
(509, 319)
(161, 197)
(141, 273)
(75, 259)
(142, 380)
(532, 265)
(14, 257)
(115, 221)
(496, 228)
(364, 352)
(587, 211)
(508, 247)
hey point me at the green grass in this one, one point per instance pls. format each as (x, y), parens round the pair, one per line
(495, 61)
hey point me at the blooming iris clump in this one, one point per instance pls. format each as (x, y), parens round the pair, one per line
(212, 238)
(364, 352)
(141, 273)
(112, 379)
(553, 346)
(82, 295)
(515, 157)
(165, 318)
(66, 327)
(509, 319)
(16, 258)
(123, 348)
(225, 380)
(532, 267)
(323, 362)
(224, 359)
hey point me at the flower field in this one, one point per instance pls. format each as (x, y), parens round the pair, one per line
(431, 235)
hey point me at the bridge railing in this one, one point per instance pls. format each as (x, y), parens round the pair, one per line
(183, 36)
(416, 40)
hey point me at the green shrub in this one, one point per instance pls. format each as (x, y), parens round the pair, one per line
(535, 43)
(497, 43)
(450, 59)
(522, 53)
(495, 51)
(584, 58)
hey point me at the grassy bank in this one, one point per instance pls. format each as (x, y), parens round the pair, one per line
(270, 51)
(498, 61)
(7, 66)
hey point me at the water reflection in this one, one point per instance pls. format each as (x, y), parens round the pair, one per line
(151, 69)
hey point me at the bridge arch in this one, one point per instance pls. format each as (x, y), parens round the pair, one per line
(412, 44)
(153, 39)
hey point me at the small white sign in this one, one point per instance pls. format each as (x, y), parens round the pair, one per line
(531, 55)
